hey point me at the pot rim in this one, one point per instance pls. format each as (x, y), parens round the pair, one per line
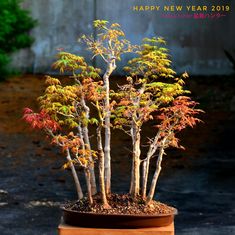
(175, 212)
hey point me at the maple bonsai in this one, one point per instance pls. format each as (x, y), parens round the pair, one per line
(152, 92)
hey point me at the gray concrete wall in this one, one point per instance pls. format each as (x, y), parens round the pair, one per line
(196, 46)
(60, 23)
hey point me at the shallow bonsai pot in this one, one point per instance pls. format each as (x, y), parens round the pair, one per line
(94, 220)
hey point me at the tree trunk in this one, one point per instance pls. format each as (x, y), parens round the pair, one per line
(107, 158)
(155, 176)
(144, 180)
(88, 182)
(75, 177)
(101, 169)
(88, 146)
(91, 167)
(135, 179)
(145, 177)
(132, 178)
(152, 149)
(135, 134)
(146, 174)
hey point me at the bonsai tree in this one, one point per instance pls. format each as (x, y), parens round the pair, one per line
(152, 92)
(152, 87)
(15, 24)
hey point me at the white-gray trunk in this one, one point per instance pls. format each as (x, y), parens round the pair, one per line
(145, 169)
(101, 169)
(156, 174)
(107, 158)
(135, 135)
(132, 177)
(152, 149)
(75, 176)
(145, 176)
(88, 182)
(88, 146)
(146, 164)
(135, 175)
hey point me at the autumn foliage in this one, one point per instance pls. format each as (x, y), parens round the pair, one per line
(152, 92)
(41, 120)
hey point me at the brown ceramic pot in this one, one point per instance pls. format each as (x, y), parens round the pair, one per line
(93, 220)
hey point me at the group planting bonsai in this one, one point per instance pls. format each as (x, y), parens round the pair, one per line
(151, 92)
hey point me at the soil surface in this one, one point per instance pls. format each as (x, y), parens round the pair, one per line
(199, 181)
(121, 204)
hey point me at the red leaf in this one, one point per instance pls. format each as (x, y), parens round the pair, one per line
(27, 110)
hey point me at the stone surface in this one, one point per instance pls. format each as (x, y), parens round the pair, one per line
(70, 230)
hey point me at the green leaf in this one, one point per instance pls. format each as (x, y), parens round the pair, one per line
(94, 121)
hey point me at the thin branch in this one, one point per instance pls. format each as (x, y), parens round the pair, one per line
(66, 115)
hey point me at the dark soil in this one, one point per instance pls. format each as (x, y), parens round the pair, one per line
(121, 204)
